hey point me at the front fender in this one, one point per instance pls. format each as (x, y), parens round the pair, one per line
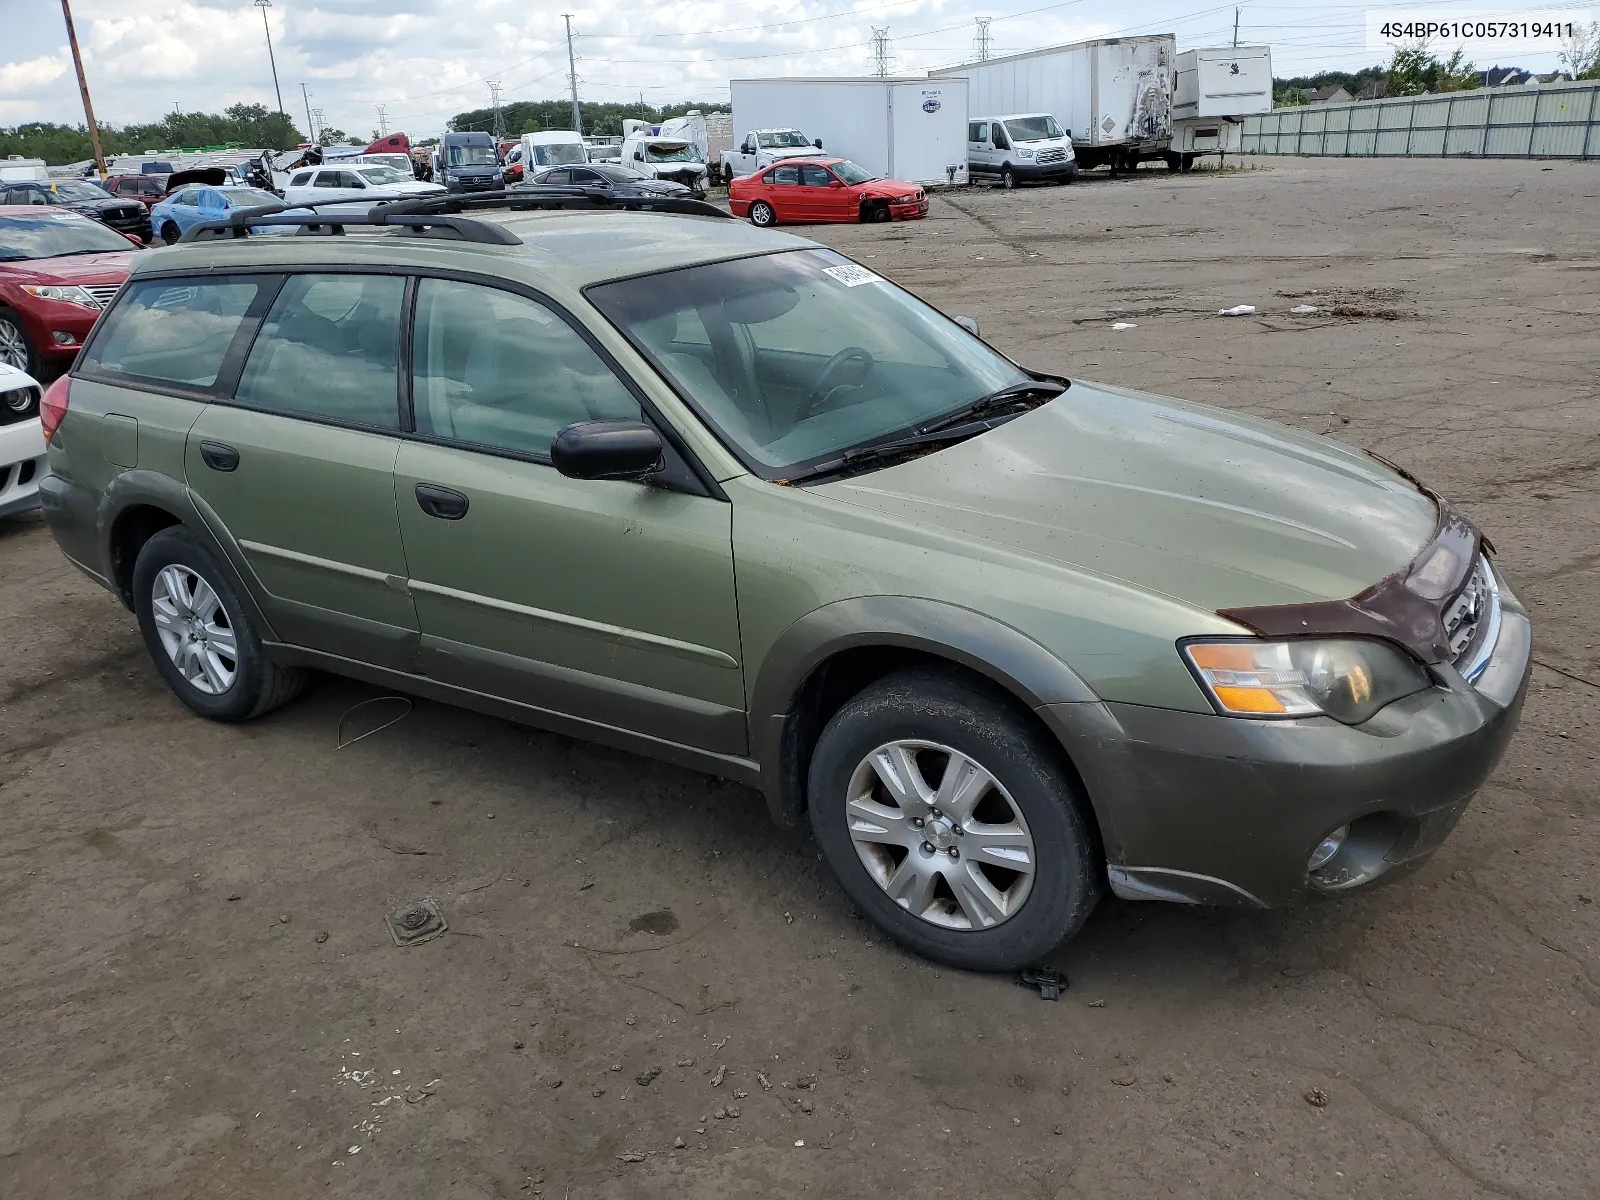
(1015, 662)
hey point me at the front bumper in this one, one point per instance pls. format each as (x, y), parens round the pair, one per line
(1203, 809)
(911, 211)
(22, 466)
(1034, 173)
(46, 318)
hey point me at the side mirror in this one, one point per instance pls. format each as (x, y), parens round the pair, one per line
(137, 244)
(606, 450)
(968, 324)
(817, 142)
(836, 184)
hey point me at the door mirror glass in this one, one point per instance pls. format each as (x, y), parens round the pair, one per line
(606, 450)
(817, 142)
(967, 323)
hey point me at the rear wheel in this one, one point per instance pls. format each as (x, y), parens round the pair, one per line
(15, 348)
(198, 634)
(761, 214)
(949, 821)
(170, 233)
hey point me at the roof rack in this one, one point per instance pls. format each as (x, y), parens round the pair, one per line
(435, 215)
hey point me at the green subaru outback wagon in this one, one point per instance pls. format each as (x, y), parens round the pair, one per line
(720, 496)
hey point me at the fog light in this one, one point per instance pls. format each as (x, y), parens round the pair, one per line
(1327, 848)
(63, 338)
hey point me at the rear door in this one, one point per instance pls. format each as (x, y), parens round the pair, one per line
(608, 601)
(979, 154)
(298, 465)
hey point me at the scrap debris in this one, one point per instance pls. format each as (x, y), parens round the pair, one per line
(1238, 310)
(1047, 981)
(416, 922)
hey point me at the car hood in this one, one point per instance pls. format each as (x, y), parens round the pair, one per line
(887, 188)
(777, 152)
(1204, 506)
(111, 267)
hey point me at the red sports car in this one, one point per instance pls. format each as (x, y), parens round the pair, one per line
(823, 189)
(57, 271)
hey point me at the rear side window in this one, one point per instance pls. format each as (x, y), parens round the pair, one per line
(785, 175)
(977, 131)
(301, 179)
(329, 348)
(175, 332)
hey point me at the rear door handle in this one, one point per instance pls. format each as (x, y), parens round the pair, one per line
(219, 457)
(441, 502)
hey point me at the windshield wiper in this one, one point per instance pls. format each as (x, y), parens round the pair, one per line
(1003, 398)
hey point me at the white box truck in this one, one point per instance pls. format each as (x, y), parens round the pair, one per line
(913, 130)
(1114, 95)
(1215, 91)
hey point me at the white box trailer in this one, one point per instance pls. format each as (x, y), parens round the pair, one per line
(1114, 95)
(909, 129)
(1215, 91)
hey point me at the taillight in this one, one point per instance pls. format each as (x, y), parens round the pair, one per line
(53, 406)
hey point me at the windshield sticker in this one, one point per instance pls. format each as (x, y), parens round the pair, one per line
(851, 275)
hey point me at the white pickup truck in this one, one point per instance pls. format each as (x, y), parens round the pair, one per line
(760, 148)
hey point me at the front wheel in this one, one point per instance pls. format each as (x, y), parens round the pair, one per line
(198, 634)
(761, 214)
(15, 348)
(951, 822)
(1008, 179)
(170, 234)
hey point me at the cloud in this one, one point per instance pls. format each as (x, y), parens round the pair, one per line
(33, 74)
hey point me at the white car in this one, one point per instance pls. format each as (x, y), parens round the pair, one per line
(22, 461)
(362, 183)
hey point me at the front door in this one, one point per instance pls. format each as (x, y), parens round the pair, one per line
(823, 201)
(298, 467)
(608, 601)
(786, 194)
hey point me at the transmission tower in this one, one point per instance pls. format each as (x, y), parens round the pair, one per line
(319, 122)
(982, 41)
(494, 101)
(881, 59)
(383, 121)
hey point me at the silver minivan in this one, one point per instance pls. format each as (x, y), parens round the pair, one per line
(1020, 148)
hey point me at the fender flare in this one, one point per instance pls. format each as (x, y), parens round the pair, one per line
(1011, 659)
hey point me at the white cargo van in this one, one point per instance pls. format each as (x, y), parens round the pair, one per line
(1021, 148)
(672, 158)
(551, 148)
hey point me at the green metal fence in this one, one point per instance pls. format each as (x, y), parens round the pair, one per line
(1558, 120)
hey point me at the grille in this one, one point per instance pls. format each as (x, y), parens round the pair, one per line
(1054, 154)
(102, 292)
(1472, 622)
(478, 185)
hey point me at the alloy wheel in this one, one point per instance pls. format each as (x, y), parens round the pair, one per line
(761, 214)
(939, 834)
(13, 346)
(194, 629)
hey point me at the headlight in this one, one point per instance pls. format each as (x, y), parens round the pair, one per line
(67, 294)
(911, 199)
(1346, 679)
(1024, 153)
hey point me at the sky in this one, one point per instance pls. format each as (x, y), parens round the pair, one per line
(425, 60)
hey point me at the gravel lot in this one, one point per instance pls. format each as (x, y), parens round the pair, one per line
(200, 998)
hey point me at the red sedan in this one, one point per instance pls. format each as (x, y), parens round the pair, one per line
(823, 189)
(57, 271)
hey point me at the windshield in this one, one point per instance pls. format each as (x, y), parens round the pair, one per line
(1033, 129)
(670, 152)
(56, 234)
(381, 176)
(80, 191)
(559, 154)
(794, 357)
(783, 139)
(472, 156)
(852, 174)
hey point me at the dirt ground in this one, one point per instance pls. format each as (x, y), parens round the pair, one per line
(199, 996)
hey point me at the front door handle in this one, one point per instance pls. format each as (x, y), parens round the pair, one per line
(219, 457)
(441, 502)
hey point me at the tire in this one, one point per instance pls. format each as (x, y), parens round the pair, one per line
(878, 214)
(761, 214)
(1188, 161)
(1008, 179)
(170, 233)
(940, 713)
(1174, 160)
(257, 684)
(16, 349)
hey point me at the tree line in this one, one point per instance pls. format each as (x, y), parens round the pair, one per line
(599, 119)
(252, 125)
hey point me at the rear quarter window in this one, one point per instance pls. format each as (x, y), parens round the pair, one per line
(177, 332)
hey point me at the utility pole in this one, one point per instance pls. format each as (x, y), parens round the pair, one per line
(83, 86)
(880, 52)
(311, 129)
(383, 121)
(572, 78)
(263, 5)
(1235, 28)
(494, 102)
(982, 40)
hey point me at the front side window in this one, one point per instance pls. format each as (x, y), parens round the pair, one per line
(175, 331)
(815, 177)
(330, 348)
(55, 234)
(499, 370)
(189, 197)
(794, 357)
(1033, 129)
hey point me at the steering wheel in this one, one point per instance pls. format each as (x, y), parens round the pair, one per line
(825, 383)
